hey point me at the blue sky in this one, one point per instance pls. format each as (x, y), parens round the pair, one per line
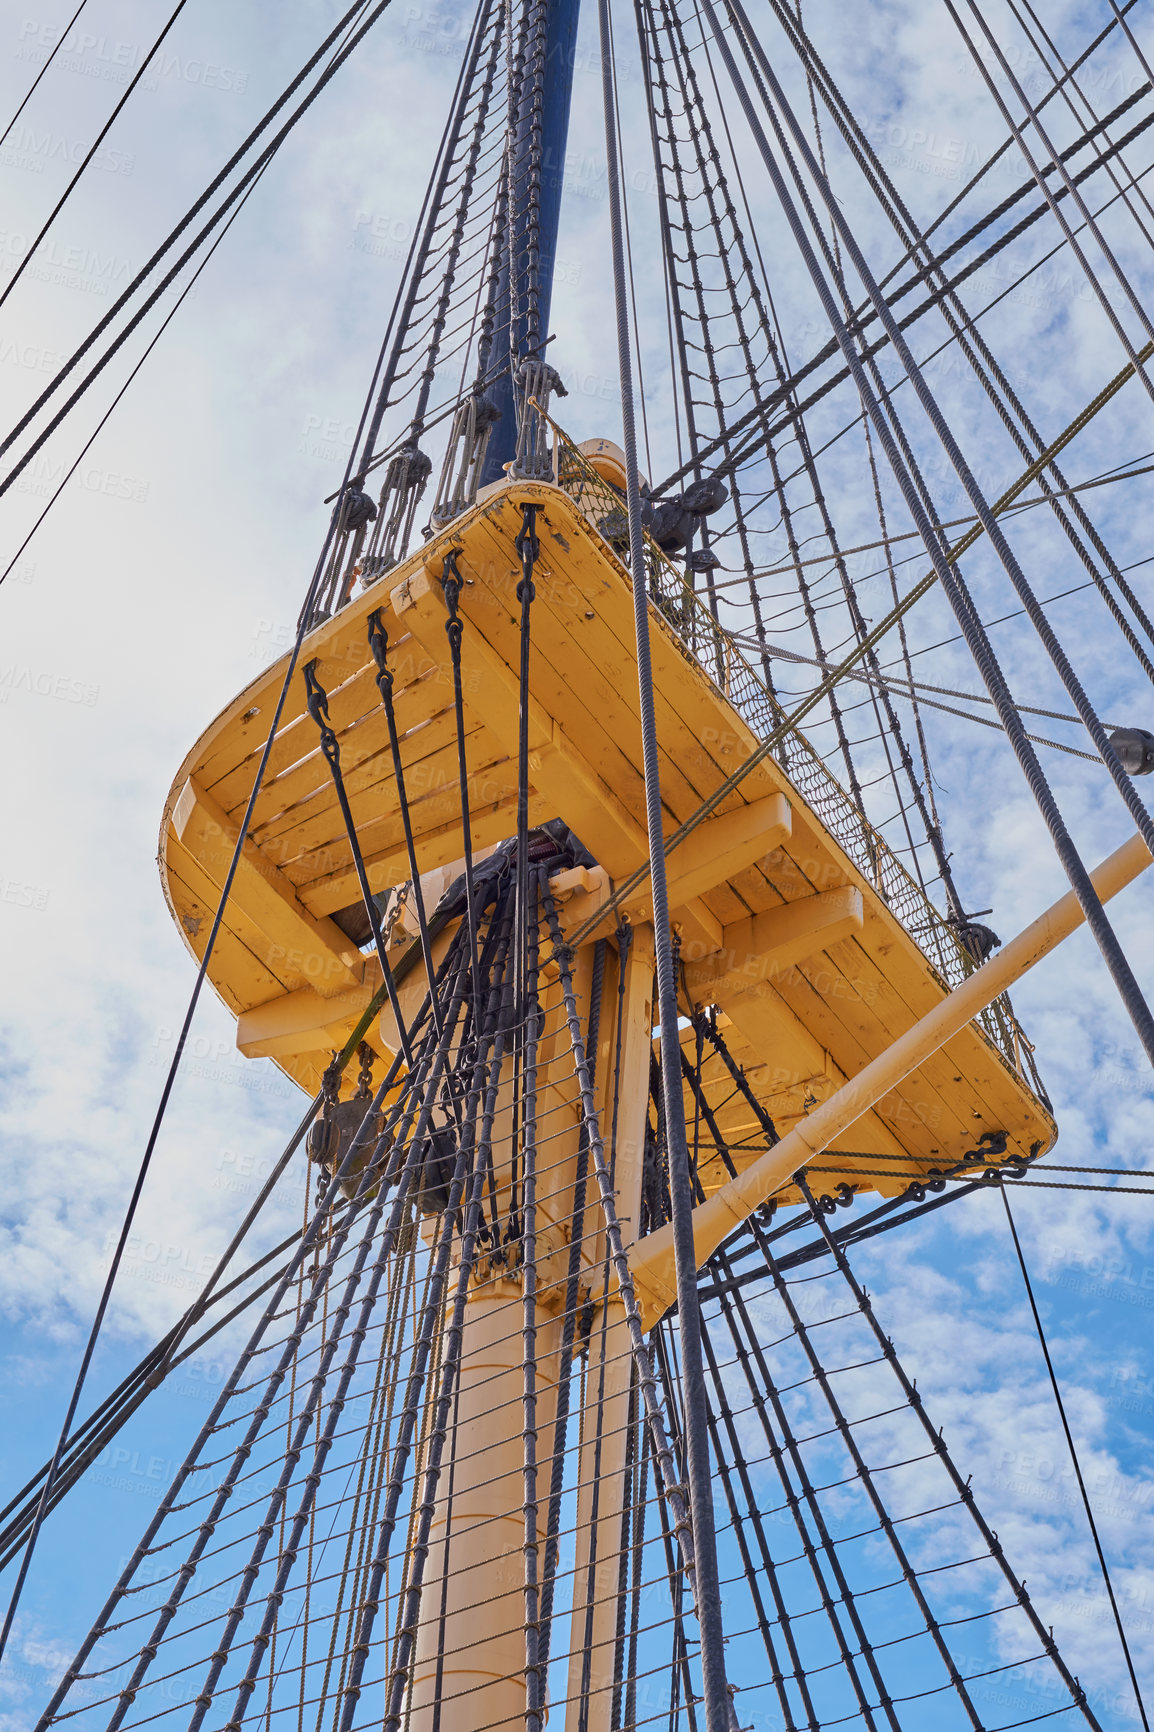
(171, 571)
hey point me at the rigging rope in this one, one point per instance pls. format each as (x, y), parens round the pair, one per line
(108, 413)
(250, 174)
(1052, 201)
(202, 971)
(707, 1592)
(892, 439)
(1091, 1523)
(864, 315)
(950, 554)
(912, 689)
(31, 91)
(90, 153)
(1122, 473)
(990, 375)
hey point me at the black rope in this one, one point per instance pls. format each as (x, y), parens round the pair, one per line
(170, 1077)
(904, 470)
(752, 1519)
(1034, 119)
(820, 1554)
(319, 1277)
(572, 1288)
(90, 153)
(482, 1095)
(680, 1676)
(536, 1669)
(454, 630)
(1061, 1406)
(527, 549)
(116, 401)
(31, 91)
(864, 316)
(232, 198)
(1029, 441)
(708, 1593)
(317, 701)
(937, 1444)
(379, 645)
(417, 262)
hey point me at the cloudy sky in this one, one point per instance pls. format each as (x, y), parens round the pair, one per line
(171, 570)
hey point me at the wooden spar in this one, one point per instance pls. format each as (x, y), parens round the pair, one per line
(651, 1259)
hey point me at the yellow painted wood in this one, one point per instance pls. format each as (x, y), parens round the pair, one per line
(556, 761)
(354, 706)
(440, 842)
(716, 851)
(714, 1220)
(315, 949)
(764, 946)
(301, 1021)
(316, 824)
(835, 997)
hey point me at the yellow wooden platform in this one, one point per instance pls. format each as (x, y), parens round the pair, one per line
(780, 928)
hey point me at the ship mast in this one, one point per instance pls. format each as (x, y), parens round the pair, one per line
(624, 1012)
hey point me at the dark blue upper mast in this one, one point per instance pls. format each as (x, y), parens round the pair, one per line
(538, 146)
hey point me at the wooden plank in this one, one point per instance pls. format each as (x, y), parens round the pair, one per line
(727, 737)
(337, 887)
(292, 938)
(319, 824)
(990, 1085)
(495, 785)
(589, 683)
(556, 762)
(833, 1006)
(368, 780)
(868, 1002)
(770, 1028)
(361, 737)
(340, 647)
(239, 974)
(697, 725)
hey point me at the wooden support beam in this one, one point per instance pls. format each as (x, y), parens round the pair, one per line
(722, 847)
(717, 850)
(307, 948)
(762, 947)
(301, 1021)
